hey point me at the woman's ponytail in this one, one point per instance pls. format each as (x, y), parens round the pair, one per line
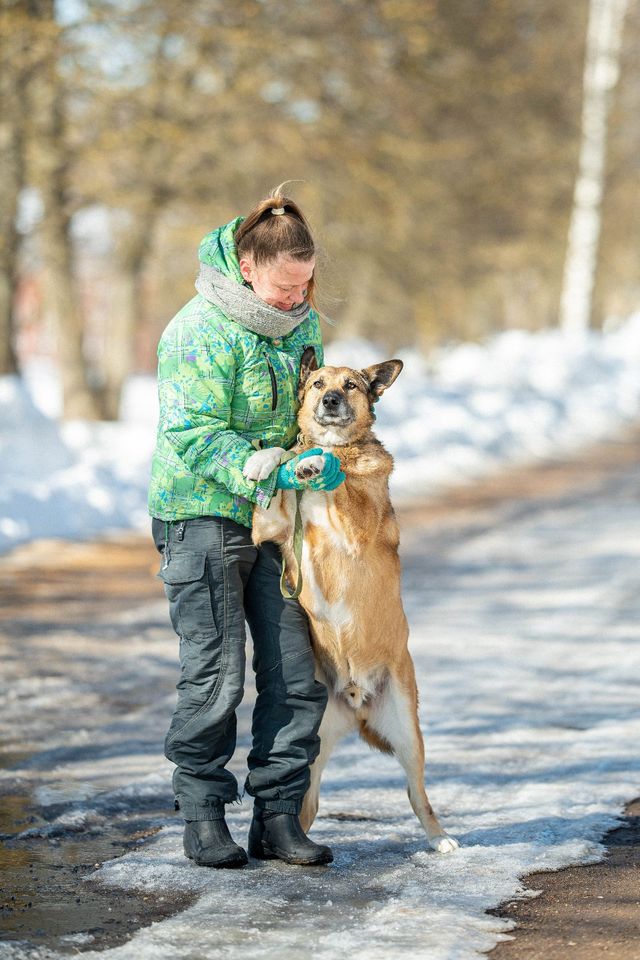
(276, 226)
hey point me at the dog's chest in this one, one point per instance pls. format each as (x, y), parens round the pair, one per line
(318, 508)
(330, 549)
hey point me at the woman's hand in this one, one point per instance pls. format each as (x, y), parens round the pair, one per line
(311, 470)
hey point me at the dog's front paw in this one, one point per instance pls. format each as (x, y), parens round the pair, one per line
(262, 463)
(310, 467)
(444, 843)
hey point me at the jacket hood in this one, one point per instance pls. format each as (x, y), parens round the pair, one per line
(218, 249)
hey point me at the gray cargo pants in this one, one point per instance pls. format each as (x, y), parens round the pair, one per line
(214, 578)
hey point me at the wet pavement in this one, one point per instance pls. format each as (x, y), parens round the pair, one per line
(61, 602)
(47, 895)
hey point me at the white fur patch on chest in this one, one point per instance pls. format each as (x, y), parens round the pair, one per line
(332, 438)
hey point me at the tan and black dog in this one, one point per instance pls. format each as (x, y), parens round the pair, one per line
(351, 576)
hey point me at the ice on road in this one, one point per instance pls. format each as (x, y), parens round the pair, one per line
(524, 630)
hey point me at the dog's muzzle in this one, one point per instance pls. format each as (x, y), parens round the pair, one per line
(334, 409)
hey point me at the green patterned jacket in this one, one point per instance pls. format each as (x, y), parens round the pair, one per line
(221, 387)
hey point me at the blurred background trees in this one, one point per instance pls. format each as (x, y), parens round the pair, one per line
(437, 145)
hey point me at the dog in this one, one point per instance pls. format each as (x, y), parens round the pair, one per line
(350, 576)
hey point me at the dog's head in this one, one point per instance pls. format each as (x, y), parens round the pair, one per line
(337, 402)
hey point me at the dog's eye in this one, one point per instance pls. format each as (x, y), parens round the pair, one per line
(350, 385)
(318, 384)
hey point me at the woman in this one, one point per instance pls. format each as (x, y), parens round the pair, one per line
(227, 377)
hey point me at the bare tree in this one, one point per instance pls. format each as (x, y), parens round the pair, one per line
(52, 162)
(164, 153)
(13, 74)
(601, 72)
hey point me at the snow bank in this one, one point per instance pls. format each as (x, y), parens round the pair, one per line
(76, 479)
(472, 408)
(451, 417)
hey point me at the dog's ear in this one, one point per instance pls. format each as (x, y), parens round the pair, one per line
(308, 364)
(381, 375)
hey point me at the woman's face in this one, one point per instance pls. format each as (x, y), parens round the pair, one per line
(282, 282)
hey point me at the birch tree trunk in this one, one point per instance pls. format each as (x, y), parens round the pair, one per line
(601, 71)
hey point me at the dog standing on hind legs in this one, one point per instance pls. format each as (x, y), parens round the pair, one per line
(350, 576)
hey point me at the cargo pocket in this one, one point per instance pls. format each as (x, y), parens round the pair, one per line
(188, 589)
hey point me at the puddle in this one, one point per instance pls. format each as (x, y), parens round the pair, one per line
(46, 899)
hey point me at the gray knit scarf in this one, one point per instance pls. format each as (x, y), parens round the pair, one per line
(240, 303)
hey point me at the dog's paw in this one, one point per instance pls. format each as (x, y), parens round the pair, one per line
(310, 467)
(444, 844)
(262, 463)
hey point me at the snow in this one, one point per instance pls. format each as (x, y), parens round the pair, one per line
(74, 479)
(456, 415)
(525, 643)
(524, 637)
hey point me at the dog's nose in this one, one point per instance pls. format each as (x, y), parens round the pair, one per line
(331, 399)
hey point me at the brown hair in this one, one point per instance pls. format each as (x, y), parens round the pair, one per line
(264, 235)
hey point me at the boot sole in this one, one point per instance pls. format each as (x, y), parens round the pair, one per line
(269, 853)
(230, 864)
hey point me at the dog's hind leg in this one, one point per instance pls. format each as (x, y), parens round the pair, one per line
(394, 717)
(338, 720)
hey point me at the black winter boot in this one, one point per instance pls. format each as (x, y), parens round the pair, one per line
(209, 844)
(279, 836)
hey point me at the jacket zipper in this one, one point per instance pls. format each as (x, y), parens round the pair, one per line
(274, 387)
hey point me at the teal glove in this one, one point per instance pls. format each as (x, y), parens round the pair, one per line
(330, 478)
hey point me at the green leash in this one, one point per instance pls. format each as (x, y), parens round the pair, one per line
(297, 552)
